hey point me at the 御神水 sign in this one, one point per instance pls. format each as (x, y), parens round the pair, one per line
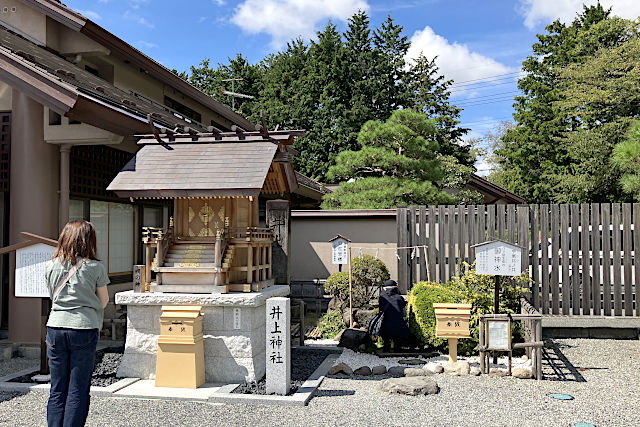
(498, 258)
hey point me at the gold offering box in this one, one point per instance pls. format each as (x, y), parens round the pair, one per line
(452, 320)
(180, 360)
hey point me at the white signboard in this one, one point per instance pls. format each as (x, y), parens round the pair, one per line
(498, 259)
(340, 251)
(499, 334)
(30, 267)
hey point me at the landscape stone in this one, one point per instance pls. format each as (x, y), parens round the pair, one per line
(475, 371)
(525, 357)
(362, 317)
(417, 372)
(528, 362)
(457, 368)
(412, 386)
(396, 371)
(379, 370)
(411, 362)
(522, 373)
(438, 369)
(352, 338)
(363, 370)
(495, 372)
(278, 328)
(341, 368)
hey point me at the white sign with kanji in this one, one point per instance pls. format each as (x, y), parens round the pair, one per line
(278, 346)
(340, 248)
(30, 267)
(498, 258)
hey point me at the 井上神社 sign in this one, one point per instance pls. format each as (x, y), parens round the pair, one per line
(278, 345)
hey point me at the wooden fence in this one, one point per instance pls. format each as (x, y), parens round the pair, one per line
(577, 263)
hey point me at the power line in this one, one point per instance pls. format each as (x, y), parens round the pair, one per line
(485, 78)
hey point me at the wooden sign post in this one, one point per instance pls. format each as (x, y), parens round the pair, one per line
(498, 258)
(339, 250)
(31, 258)
(452, 322)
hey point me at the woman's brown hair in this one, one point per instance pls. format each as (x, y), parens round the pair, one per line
(78, 239)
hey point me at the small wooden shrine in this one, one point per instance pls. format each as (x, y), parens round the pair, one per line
(214, 243)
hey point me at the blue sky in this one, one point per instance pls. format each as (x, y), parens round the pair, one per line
(479, 44)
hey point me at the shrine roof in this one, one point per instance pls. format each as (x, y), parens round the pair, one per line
(197, 169)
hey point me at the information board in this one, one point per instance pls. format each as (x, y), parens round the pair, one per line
(499, 334)
(339, 252)
(498, 258)
(30, 268)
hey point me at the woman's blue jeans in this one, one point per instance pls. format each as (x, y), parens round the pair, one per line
(71, 355)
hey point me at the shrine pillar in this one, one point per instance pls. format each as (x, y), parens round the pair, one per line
(278, 218)
(33, 196)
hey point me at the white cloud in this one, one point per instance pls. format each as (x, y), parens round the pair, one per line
(202, 19)
(138, 19)
(219, 2)
(284, 20)
(94, 16)
(146, 45)
(544, 12)
(454, 60)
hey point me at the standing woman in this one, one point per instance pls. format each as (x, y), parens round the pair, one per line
(77, 286)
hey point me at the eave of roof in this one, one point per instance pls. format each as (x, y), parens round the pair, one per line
(481, 184)
(77, 22)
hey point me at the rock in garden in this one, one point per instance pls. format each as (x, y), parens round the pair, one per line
(412, 386)
(457, 368)
(396, 371)
(495, 372)
(363, 316)
(522, 373)
(528, 362)
(438, 369)
(411, 362)
(525, 357)
(341, 368)
(474, 371)
(416, 372)
(363, 370)
(352, 338)
(379, 370)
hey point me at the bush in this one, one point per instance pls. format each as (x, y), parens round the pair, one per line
(422, 319)
(470, 288)
(331, 324)
(367, 275)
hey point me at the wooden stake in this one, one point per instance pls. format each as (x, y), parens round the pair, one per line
(453, 350)
(350, 292)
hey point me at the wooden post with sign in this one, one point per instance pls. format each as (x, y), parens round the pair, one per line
(498, 258)
(339, 247)
(31, 258)
(452, 322)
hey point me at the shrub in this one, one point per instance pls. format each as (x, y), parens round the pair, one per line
(367, 275)
(422, 319)
(330, 324)
(471, 288)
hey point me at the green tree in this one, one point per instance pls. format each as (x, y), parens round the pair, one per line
(429, 92)
(626, 157)
(397, 164)
(534, 156)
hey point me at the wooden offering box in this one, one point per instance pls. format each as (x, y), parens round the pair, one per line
(180, 360)
(214, 243)
(452, 322)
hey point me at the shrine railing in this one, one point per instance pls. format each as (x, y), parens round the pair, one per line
(250, 234)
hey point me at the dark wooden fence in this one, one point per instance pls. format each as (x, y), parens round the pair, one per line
(578, 264)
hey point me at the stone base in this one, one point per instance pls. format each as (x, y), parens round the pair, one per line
(234, 343)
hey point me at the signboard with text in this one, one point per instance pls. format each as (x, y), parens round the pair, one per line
(30, 268)
(498, 258)
(339, 250)
(498, 334)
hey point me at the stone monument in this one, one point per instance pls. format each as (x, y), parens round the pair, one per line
(278, 345)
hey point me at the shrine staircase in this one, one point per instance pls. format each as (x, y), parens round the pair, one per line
(190, 266)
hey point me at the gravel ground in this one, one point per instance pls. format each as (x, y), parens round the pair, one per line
(17, 364)
(304, 361)
(104, 372)
(602, 375)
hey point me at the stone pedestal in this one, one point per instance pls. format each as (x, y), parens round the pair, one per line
(234, 328)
